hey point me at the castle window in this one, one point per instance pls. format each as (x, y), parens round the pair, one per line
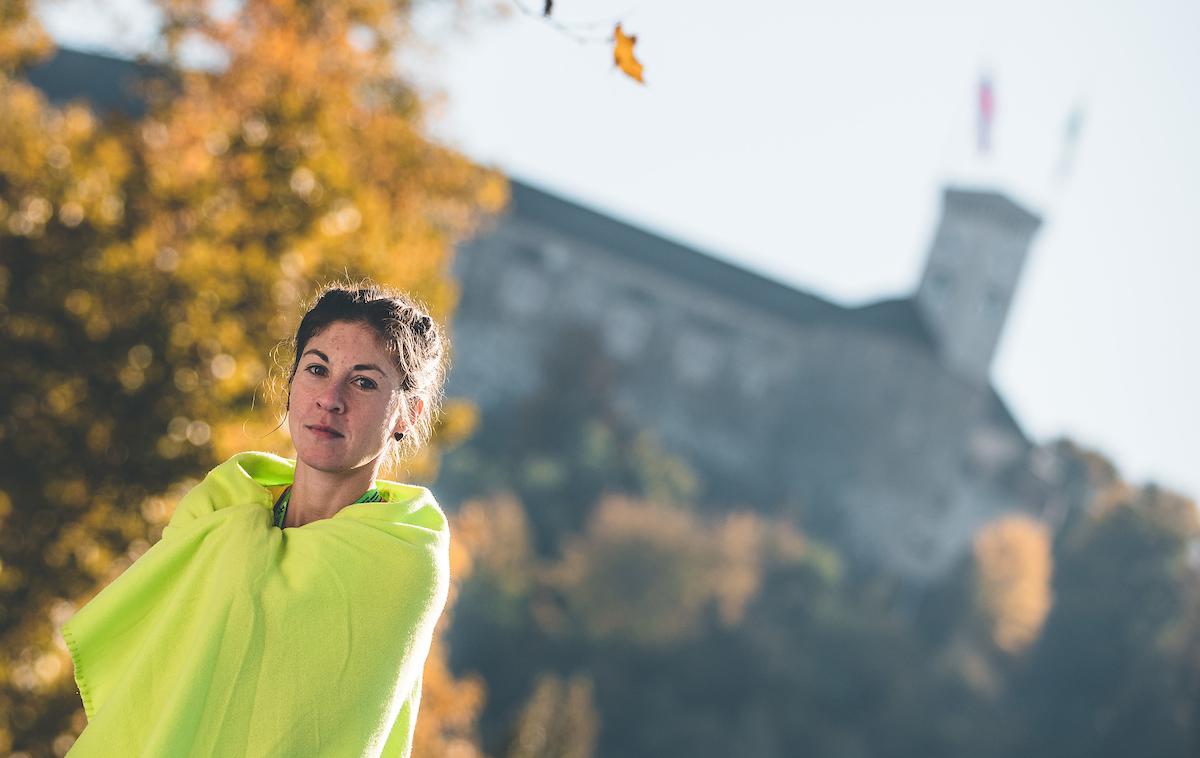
(697, 356)
(626, 328)
(759, 367)
(557, 256)
(523, 291)
(528, 255)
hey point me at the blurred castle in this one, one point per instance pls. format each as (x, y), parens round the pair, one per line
(881, 415)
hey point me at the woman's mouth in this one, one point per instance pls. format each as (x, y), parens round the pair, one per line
(324, 432)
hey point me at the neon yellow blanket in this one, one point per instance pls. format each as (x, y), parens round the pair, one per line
(230, 637)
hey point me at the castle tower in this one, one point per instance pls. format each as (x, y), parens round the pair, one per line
(971, 275)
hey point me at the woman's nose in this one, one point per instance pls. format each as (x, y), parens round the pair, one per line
(331, 399)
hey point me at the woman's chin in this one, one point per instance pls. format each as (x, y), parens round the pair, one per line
(323, 459)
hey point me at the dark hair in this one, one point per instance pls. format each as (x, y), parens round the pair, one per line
(418, 346)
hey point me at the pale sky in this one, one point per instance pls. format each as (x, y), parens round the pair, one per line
(810, 144)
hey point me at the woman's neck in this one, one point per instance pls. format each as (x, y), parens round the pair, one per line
(319, 494)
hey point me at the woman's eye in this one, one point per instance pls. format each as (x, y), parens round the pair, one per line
(316, 369)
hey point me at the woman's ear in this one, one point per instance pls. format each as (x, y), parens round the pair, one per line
(415, 409)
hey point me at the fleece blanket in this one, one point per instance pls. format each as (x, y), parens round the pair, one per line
(231, 637)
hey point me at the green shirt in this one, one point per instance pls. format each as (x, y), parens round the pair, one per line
(370, 496)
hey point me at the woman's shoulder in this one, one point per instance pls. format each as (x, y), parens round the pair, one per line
(243, 478)
(416, 502)
(264, 469)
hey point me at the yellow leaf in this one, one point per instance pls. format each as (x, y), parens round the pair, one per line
(623, 55)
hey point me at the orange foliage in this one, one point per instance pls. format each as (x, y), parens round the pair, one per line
(22, 38)
(647, 570)
(1014, 563)
(450, 708)
(560, 720)
(494, 534)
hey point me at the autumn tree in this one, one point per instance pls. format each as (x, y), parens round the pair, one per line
(558, 721)
(149, 265)
(1013, 567)
(647, 572)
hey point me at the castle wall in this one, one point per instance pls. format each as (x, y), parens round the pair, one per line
(870, 427)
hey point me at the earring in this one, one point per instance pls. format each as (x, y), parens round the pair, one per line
(398, 435)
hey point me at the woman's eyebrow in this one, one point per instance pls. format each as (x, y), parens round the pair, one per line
(356, 367)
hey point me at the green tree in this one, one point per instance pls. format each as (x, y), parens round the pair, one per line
(1110, 675)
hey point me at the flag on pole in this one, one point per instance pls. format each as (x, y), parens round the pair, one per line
(1070, 140)
(987, 107)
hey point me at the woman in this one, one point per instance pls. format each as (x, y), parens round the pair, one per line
(289, 607)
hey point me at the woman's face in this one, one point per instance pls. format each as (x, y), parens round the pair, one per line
(344, 381)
